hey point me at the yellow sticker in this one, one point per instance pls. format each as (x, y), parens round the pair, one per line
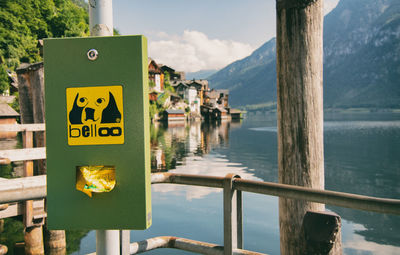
(95, 115)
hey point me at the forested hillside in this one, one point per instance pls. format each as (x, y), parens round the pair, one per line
(24, 22)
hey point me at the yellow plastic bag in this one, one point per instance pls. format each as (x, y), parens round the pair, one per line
(95, 179)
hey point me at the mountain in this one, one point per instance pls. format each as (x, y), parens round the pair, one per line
(202, 74)
(361, 60)
(362, 54)
(251, 80)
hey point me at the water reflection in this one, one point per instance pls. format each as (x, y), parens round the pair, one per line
(171, 144)
(186, 149)
(361, 157)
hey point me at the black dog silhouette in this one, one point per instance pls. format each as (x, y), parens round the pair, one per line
(110, 114)
(75, 115)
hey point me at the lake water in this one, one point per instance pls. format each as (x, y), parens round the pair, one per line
(362, 156)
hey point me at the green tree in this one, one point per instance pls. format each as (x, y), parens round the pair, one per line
(24, 22)
(4, 86)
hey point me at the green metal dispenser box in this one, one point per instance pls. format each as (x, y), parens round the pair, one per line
(97, 133)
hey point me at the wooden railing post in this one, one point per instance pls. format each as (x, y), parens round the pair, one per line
(233, 230)
(31, 100)
(33, 233)
(28, 171)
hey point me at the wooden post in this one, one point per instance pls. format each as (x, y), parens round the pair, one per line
(55, 242)
(32, 110)
(322, 232)
(34, 240)
(33, 235)
(28, 171)
(300, 111)
(3, 248)
(31, 101)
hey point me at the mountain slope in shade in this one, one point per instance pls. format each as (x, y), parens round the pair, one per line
(202, 74)
(362, 54)
(251, 80)
(361, 60)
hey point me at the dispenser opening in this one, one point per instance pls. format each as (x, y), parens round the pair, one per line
(96, 179)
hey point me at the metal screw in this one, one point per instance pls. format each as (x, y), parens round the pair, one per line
(92, 54)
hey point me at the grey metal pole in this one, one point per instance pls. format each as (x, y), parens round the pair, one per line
(107, 242)
(124, 236)
(100, 18)
(101, 24)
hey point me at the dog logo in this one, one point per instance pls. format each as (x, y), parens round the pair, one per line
(94, 109)
(95, 115)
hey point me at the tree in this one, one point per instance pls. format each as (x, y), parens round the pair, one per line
(24, 22)
(4, 86)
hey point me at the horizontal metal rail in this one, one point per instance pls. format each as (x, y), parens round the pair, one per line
(27, 188)
(21, 189)
(181, 244)
(22, 127)
(367, 203)
(186, 179)
(360, 202)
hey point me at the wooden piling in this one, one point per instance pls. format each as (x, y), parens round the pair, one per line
(300, 111)
(55, 242)
(34, 241)
(3, 249)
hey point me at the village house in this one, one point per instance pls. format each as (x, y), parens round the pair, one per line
(236, 114)
(153, 95)
(216, 104)
(193, 100)
(173, 75)
(219, 113)
(194, 94)
(156, 76)
(216, 98)
(174, 115)
(180, 88)
(201, 86)
(8, 116)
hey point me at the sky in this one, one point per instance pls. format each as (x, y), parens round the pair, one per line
(191, 35)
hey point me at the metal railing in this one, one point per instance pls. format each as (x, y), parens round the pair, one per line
(28, 188)
(35, 188)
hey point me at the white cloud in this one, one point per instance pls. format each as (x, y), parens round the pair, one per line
(194, 51)
(329, 5)
(357, 242)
